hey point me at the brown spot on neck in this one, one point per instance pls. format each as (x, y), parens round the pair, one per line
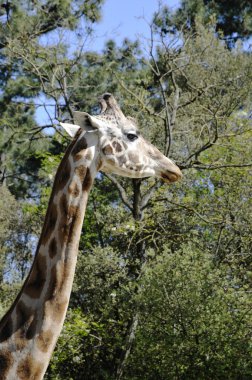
(44, 340)
(34, 326)
(74, 190)
(64, 208)
(24, 316)
(57, 301)
(6, 362)
(52, 248)
(81, 172)
(37, 277)
(70, 216)
(29, 369)
(84, 174)
(88, 181)
(80, 145)
(63, 176)
(49, 224)
(6, 328)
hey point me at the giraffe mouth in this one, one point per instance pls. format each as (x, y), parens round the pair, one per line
(170, 177)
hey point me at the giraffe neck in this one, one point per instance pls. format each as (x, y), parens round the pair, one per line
(29, 330)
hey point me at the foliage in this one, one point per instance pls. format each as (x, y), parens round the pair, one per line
(14, 237)
(194, 320)
(232, 20)
(29, 71)
(8, 207)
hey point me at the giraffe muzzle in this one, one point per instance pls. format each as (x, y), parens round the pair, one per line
(171, 176)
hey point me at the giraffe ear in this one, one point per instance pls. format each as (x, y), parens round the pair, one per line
(71, 129)
(86, 121)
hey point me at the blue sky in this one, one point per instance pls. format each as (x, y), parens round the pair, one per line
(127, 18)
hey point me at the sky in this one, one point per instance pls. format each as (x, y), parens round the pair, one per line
(120, 19)
(127, 18)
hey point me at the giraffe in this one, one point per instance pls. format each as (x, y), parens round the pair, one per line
(109, 142)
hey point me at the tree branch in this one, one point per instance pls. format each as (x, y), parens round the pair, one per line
(121, 190)
(147, 196)
(213, 167)
(129, 342)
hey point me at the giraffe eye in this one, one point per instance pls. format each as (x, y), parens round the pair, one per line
(132, 136)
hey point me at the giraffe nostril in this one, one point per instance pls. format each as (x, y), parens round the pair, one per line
(171, 177)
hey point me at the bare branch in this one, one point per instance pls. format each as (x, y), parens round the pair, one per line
(215, 167)
(172, 119)
(121, 190)
(130, 339)
(147, 196)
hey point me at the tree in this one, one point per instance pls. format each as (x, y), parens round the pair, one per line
(232, 20)
(29, 70)
(194, 320)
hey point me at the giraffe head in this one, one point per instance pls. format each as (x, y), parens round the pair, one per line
(122, 149)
